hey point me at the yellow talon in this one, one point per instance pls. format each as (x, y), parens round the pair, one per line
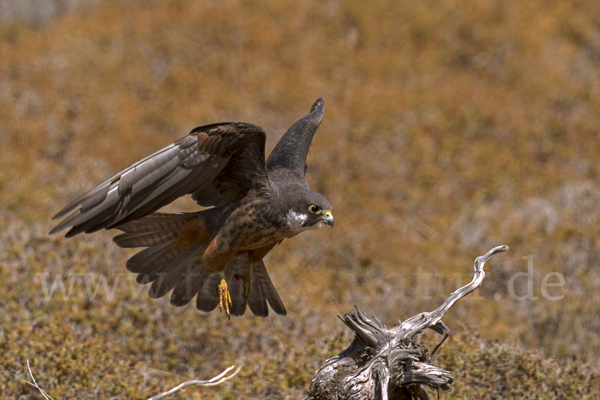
(247, 286)
(224, 296)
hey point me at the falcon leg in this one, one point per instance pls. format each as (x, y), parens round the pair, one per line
(247, 285)
(224, 296)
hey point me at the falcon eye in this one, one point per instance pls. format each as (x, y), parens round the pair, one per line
(314, 209)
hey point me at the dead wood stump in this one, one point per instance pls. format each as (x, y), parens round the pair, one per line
(386, 363)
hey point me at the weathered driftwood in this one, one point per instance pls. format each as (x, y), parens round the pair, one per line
(386, 363)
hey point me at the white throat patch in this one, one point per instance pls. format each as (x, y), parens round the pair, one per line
(297, 221)
(296, 218)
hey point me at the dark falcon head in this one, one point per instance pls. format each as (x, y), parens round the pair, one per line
(308, 210)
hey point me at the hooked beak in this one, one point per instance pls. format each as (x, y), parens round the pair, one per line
(327, 218)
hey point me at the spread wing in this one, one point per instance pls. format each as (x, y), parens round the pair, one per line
(292, 149)
(217, 163)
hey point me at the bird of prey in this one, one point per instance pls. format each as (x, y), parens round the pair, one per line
(215, 254)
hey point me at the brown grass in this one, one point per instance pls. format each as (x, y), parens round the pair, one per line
(450, 127)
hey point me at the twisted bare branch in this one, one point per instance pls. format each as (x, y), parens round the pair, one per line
(432, 320)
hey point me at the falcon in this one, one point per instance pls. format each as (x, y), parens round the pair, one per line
(249, 205)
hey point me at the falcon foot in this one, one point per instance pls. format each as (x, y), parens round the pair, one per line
(247, 285)
(224, 296)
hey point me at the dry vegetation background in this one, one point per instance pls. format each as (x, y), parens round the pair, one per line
(450, 127)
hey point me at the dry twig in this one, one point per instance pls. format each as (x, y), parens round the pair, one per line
(35, 385)
(217, 380)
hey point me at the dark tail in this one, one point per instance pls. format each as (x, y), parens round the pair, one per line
(169, 263)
